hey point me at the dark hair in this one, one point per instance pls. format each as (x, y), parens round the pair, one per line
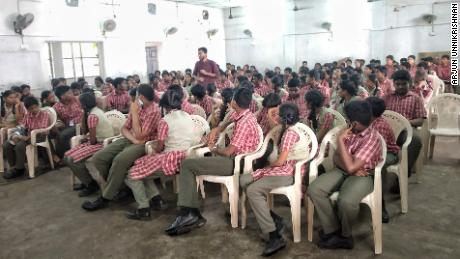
(243, 97)
(75, 86)
(205, 50)
(24, 86)
(165, 73)
(146, 91)
(88, 102)
(278, 81)
(29, 101)
(316, 100)
(294, 82)
(211, 89)
(271, 100)
(270, 74)
(178, 89)
(423, 64)
(356, 79)
(198, 91)
(118, 81)
(248, 85)
(227, 95)
(61, 90)
(359, 111)
(171, 99)
(288, 69)
(4, 95)
(429, 59)
(258, 76)
(349, 86)
(44, 95)
(390, 57)
(403, 75)
(314, 74)
(377, 105)
(289, 115)
(98, 78)
(445, 56)
(16, 89)
(54, 82)
(411, 56)
(109, 80)
(242, 79)
(373, 78)
(382, 69)
(406, 65)
(133, 92)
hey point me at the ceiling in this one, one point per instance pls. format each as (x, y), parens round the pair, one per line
(213, 3)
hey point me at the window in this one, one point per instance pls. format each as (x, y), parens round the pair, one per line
(72, 60)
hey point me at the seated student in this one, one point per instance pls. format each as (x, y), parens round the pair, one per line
(48, 99)
(245, 139)
(223, 82)
(222, 113)
(295, 98)
(97, 127)
(76, 88)
(69, 113)
(361, 92)
(372, 86)
(411, 107)
(421, 87)
(186, 106)
(98, 83)
(389, 65)
(319, 120)
(114, 161)
(386, 85)
(119, 99)
(413, 67)
(133, 94)
(165, 82)
(292, 145)
(253, 106)
(260, 87)
(106, 89)
(16, 89)
(211, 90)
(382, 126)
(347, 93)
(15, 148)
(169, 152)
(25, 91)
(314, 81)
(267, 117)
(359, 150)
(12, 110)
(443, 71)
(277, 84)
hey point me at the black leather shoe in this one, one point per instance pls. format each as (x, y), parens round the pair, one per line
(15, 173)
(88, 190)
(337, 242)
(123, 195)
(139, 214)
(156, 203)
(100, 203)
(323, 236)
(273, 246)
(79, 187)
(184, 224)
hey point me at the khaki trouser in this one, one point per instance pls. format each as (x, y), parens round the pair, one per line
(63, 140)
(143, 190)
(113, 163)
(257, 193)
(352, 190)
(79, 170)
(15, 154)
(190, 168)
(390, 160)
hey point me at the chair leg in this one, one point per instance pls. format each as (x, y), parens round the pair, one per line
(403, 188)
(295, 214)
(310, 214)
(30, 153)
(2, 164)
(175, 184)
(431, 148)
(271, 201)
(377, 227)
(244, 214)
(200, 186)
(233, 194)
(224, 193)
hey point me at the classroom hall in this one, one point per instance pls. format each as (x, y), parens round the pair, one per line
(229, 129)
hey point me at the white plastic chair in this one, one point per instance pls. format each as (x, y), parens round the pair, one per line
(117, 119)
(202, 129)
(31, 149)
(339, 120)
(373, 199)
(292, 192)
(230, 182)
(4, 133)
(198, 110)
(446, 109)
(398, 124)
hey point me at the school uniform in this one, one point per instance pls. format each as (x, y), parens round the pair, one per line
(362, 92)
(262, 89)
(176, 143)
(301, 104)
(187, 107)
(76, 157)
(70, 114)
(119, 102)
(245, 139)
(324, 89)
(206, 103)
(10, 118)
(16, 154)
(114, 161)
(253, 106)
(424, 90)
(222, 85)
(387, 87)
(411, 107)
(340, 106)
(324, 119)
(365, 146)
(262, 119)
(259, 184)
(390, 70)
(163, 86)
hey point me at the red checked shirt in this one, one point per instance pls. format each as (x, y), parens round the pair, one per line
(301, 104)
(324, 89)
(443, 72)
(253, 107)
(119, 102)
(163, 86)
(289, 139)
(187, 107)
(149, 118)
(262, 89)
(387, 87)
(390, 70)
(69, 112)
(410, 105)
(245, 133)
(38, 121)
(206, 104)
(382, 126)
(366, 147)
(221, 86)
(85, 150)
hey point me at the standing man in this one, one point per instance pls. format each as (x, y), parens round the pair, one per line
(205, 70)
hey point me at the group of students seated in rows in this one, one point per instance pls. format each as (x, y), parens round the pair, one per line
(161, 111)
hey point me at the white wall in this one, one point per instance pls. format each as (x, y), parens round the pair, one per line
(124, 49)
(360, 30)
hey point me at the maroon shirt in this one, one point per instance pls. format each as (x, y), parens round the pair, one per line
(210, 67)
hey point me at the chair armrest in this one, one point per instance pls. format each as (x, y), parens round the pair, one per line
(298, 171)
(107, 141)
(193, 149)
(75, 140)
(149, 146)
(34, 133)
(251, 157)
(201, 151)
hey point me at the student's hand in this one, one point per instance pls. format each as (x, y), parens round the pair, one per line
(213, 135)
(138, 142)
(361, 173)
(344, 133)
(135, 107)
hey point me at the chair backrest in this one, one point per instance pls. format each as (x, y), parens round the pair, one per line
(201, 126)
(198, 110)
(227, 134)
(53, 116)
(446, 107)
(398, 123)
(117, 119)
(329, 144)
(339, 120)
